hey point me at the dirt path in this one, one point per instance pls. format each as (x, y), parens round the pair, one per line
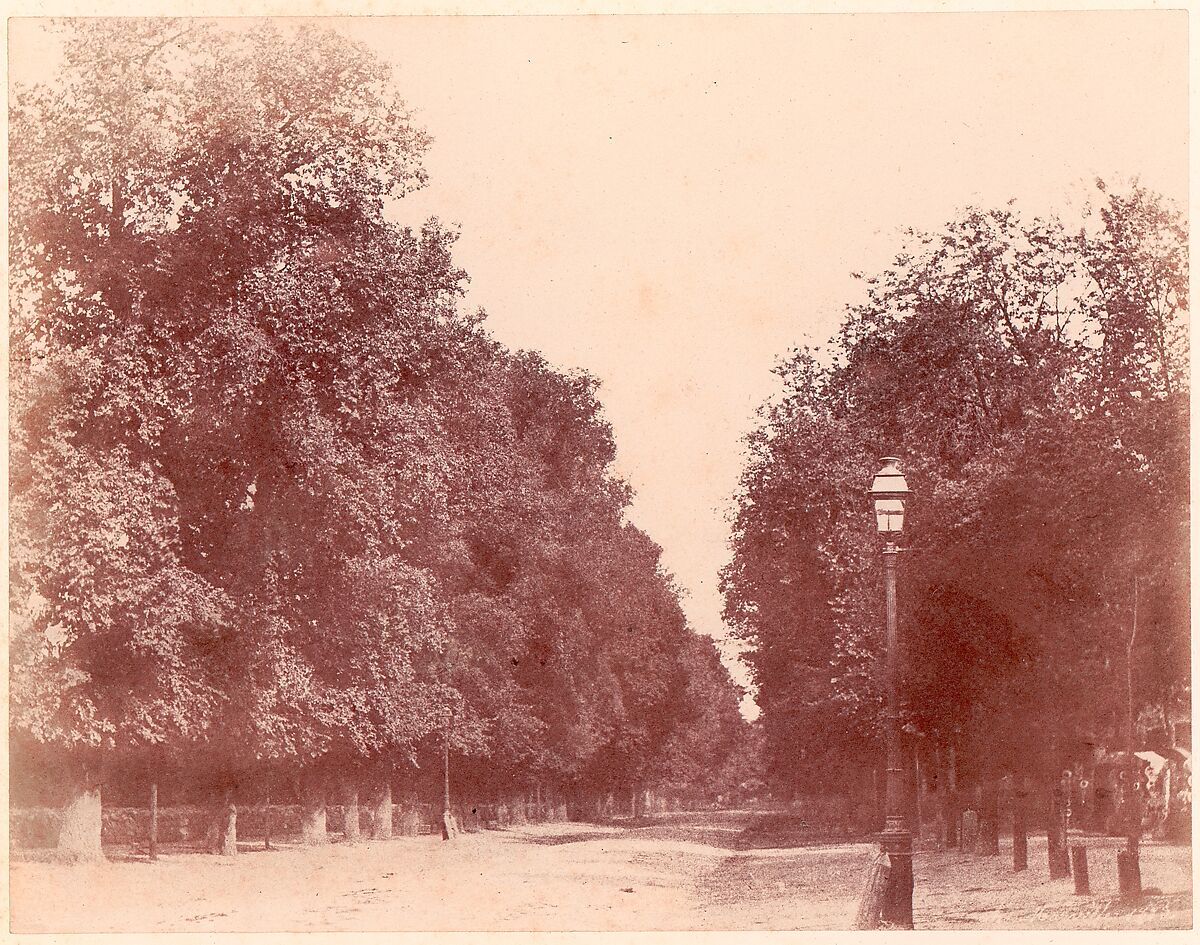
(678, 873)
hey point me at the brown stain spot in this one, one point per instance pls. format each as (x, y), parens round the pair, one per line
(665, 396)
(647, 297)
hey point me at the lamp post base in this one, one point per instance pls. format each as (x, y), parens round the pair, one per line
(897, 906)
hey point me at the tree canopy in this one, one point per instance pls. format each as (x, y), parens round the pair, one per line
(278, 499)
(1033, 376)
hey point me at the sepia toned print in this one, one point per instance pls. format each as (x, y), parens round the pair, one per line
(599, 473)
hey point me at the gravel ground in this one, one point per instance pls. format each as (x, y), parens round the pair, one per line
(676, 872)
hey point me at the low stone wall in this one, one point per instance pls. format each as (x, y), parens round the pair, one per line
(34, 828)
(835, 811)
(38, 827)
(515, 812)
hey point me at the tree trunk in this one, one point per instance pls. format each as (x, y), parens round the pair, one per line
(950, 805)
(1134, 807)
(381, 811)
(914, 806)
(1056, 836)
(222, 831)
(351, 830)
(970, 831)
(1020, 849)
(1166, 792)
(516, 806)
(446, 775)
(79, 838)
(154, 821)
(877, 803)
(989, 823)
(1129, 876)
(1168, 727)
(313, 826)
(938, 798)
(951, 817)
(267, 821)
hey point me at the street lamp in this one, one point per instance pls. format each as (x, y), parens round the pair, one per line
(890, 494)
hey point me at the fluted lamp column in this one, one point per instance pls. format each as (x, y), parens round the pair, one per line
(890, 494)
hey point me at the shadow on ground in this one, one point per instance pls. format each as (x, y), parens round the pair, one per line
(735, 831)
(557, 839)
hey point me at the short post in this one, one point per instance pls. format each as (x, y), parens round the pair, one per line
(1080, 868)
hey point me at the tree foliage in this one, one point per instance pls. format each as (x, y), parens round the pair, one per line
(1034, 379)
(279, 501)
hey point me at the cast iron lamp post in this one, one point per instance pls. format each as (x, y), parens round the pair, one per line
(890, 494)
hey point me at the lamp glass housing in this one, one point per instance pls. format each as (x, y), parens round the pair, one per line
(889, 516)
(890, 493)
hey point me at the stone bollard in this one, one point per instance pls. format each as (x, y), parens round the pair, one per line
(1080, 868)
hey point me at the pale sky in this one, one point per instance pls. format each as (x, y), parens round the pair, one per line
(672, 202)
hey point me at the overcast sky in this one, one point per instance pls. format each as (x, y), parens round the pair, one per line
(673, 202)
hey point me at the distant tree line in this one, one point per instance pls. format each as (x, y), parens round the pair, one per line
(1033, 375)
(282, 511)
